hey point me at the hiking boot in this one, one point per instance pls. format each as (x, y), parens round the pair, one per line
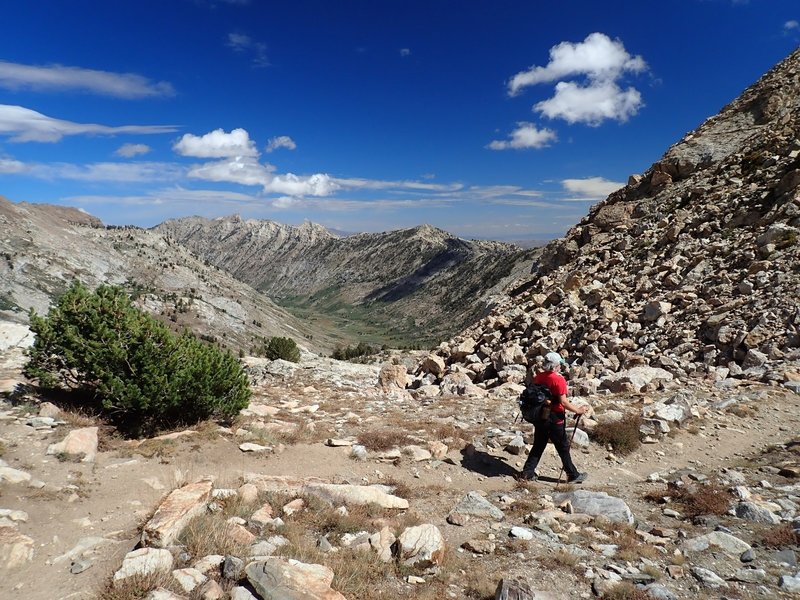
(527, 476)
(579, 478)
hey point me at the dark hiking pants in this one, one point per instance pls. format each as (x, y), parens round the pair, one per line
(553, 430)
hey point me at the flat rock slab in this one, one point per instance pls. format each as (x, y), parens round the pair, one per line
(143, 562)
(279, 483)
(78, 443)
(16, 549)
(175, 512)
(597, 503)
(475, 505)
(288, 579)
(355, 494)
(717, 539)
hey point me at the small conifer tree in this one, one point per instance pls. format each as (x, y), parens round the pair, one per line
(282, 347)
(141, 374)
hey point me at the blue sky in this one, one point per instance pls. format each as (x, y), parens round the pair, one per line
(501, 120)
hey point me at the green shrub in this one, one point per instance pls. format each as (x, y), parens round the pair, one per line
(143, 376)
(281, 347)
(351, 352)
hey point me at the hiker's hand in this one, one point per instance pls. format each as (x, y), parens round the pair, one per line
(581, 410)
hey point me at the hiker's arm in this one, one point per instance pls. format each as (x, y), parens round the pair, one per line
(578, 410)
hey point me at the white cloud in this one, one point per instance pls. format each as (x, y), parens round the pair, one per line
(217, 144)
(598, 57)
(127, 172)
(358, 183)
(591, 187)
(281, 141)
(26, 125)
(791, 25)
(243, 170)
(600, 63)
(14, 76)
(131, 150)
(405, 52)
(10, 166)
(526, 135)
(591, 104)
(244, 44)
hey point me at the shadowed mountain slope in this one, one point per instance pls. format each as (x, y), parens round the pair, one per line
(44, 247)
(410, 285)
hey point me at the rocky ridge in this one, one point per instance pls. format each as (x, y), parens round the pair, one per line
(692, 268)
(423, 282)
(43, 248)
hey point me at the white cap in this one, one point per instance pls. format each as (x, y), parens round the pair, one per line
(553, 358)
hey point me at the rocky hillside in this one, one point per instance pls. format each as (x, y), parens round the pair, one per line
(43, 248)
(691, 268)
(409, 285)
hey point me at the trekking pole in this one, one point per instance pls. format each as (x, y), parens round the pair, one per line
(574, 429)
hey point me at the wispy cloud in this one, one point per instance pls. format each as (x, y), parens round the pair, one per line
(244, 44)
(11, 166)
(405, 52)
(357, 183)
(114, 172)
(590, 188)
(791, 27)
(601, 62)
(131, 150)
(58, 78)
(281, 141)
(525, 136)
(26, 125)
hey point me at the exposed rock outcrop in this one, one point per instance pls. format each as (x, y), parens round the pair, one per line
(691, 268)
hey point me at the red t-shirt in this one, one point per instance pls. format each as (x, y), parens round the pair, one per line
(557, 385)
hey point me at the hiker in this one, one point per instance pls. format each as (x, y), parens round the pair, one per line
(554, 427)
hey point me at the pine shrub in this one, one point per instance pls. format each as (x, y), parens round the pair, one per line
(143, 376)
(282, 347)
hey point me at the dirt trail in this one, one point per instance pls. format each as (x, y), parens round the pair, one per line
(112, 497)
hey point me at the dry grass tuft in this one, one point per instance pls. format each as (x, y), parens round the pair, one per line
(626, 591)
(623, 435)
(380, 440)
(780, 536)
(136, 587)
(210, 534)
(696, 499)
(78, 418)
(560, 560)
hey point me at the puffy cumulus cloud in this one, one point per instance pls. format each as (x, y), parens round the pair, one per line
(290, 184)
(56, 78)
(26, 125)
(591, 104)
(591, 187)
(243, 170)
(526, 135)
(598, 57)
(217, 144)
(131, 150)
(281, 141)
(597, 96)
